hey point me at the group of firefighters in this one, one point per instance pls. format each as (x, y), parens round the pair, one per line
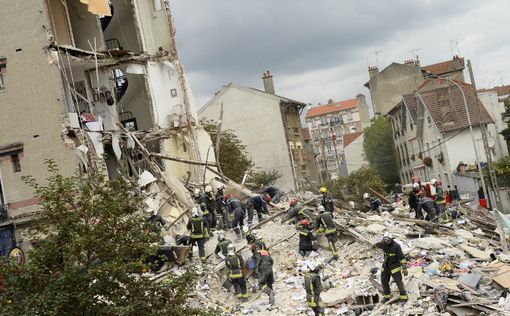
(228, 212)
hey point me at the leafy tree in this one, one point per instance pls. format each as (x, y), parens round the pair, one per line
(93, 242)
(379, 149)
(502, 170)
(233, 159)
(351, 188)
(264, 177)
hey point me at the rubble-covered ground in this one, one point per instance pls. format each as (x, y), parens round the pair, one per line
(454, 269)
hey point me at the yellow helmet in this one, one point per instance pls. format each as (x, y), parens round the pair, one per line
(324, 190)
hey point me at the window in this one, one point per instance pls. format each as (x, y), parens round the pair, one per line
(3, 67)
(314, 124)
(323, 120)
(16, 165)
(429, 120)
(157, 5)
(349, 115)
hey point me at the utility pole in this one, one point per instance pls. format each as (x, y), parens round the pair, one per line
(483, 130)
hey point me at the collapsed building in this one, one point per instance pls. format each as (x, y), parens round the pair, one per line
(94, 84)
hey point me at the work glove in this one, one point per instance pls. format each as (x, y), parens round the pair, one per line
(221, 256)
(255, 287)
(405, 272)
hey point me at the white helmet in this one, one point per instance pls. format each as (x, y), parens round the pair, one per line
(433, 181)
(246, 230)
(231, 250)
(221, 236)
(196, 193)
(387, 235)
(416, 186)
(366, 196)
(256, 236)
(194, 212)
(352, 205)
(221, 186)
(320, 208)
(208, 189)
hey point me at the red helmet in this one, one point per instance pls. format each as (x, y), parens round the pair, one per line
(267, 198)
(293, 202)
(228, 196)
(420, 193)
(305, 222)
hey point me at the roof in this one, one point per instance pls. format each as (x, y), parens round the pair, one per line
(306, 133)
(332, 107)
(251, 90)
(349, 138)
(503, 90)
(445, 104)
(446, 66)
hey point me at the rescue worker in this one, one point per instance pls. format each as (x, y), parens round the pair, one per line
(205, 205)
(306, 238)
(248, 235)
(235, 265)
(264, 269)
(326, 225)
(256, 203)
(327, 200)
(313, 289)
(258, 243)
(373, 203)
(413, 197)
(199, 232)
(439, 197)
(235, 208)
(210, 202)
(429, 206)
(222, 247)
(299, 212)
(393, 265)
(221, 206)
(275, 193)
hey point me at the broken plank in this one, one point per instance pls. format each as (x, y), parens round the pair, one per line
(191, 162)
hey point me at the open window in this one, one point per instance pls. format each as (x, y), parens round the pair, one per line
(13, 154)
(3, 68)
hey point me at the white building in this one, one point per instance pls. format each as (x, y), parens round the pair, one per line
(267, 124)
(353, 152)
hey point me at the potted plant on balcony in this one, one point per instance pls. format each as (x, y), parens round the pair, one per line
(440, 158)
(427, 161)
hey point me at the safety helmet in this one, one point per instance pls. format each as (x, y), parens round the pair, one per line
(196, 192)
(324, 190)
(208, 189)
(246, 230)
(416, 187)
(293, 202)
(352, 205)
(320, 208)
(305, 222)
(433, 181)
(228, 196)
(387, 235)
(231, 250)
(366, 196)
(256, 236)
(221, 236)
(194, 212)
(220, 187)
(267, 198)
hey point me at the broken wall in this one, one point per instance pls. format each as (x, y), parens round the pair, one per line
(122, 26)
(85, 27)
(155, 31)
(137, 100)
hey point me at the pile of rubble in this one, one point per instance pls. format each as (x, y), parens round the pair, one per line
(455, 268)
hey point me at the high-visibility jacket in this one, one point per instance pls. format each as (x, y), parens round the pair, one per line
(327, 202)
(235, 266)
(198, 228)
(222, 247)
(305, 239)
(313, 289)
(394, 258)
(325, 221)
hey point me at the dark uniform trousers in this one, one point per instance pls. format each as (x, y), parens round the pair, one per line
(235, 274)
(313, 290)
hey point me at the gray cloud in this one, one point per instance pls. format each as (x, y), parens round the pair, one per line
(319, 49)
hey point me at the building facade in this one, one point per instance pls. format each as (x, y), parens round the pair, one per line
(353, 152)
(328, 124)
(76, 80)
(268, 125)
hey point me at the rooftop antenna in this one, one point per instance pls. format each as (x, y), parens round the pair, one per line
(414, 52)
(454, 44)
(376, 59)
(501, 81)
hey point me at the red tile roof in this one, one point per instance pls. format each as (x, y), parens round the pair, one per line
(445, 66)
(503, 90)
(333, 107)
(306, 133)
(349, 138)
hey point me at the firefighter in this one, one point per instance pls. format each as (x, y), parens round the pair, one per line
(256, 203)
(393, 265)
(299, 212)
(439, 197)
(264, 270)
(210, 203)
(326, 225)
(258, 243)
(222, 246)
(235, 207)
(275, 193)
(413, 197)
(235, 265)
(306, 238)
(327, 200)
(313, 289)
(199, 232)
(221, 206)
(205, 205)
(429, 206)
(373, 203)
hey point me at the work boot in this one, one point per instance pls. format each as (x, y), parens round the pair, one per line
(271, 298)
(335, 257)
(385, 300)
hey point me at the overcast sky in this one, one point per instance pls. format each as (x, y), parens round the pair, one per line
(319, 50)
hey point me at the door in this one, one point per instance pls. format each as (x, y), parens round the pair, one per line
(7, 240)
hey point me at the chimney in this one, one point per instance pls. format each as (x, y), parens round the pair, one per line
(457, 62)
(330, 101)
(267, 78)
(372, 71)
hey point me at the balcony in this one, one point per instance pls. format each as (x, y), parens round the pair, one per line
(4, 212)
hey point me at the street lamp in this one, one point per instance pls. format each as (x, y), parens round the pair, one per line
(477, 156)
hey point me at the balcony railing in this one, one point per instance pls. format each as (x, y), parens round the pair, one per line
(4, 212)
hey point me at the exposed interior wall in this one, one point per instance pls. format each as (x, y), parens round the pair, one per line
(85, 26)
(154, 25)
(122, 26)
(108, 113)
(59, 21)
(137, 101)
(176, 147)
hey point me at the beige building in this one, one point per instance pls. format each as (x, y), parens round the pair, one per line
(328, 124)
(353, 152)
(70, 75)
(267, 124)
(387, 86)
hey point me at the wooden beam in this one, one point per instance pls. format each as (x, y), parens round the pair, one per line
(183, 160)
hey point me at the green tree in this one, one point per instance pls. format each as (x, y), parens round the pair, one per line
(93, 241)
(502, 171)
(233, 159)
(264, 177)
(379, 149)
